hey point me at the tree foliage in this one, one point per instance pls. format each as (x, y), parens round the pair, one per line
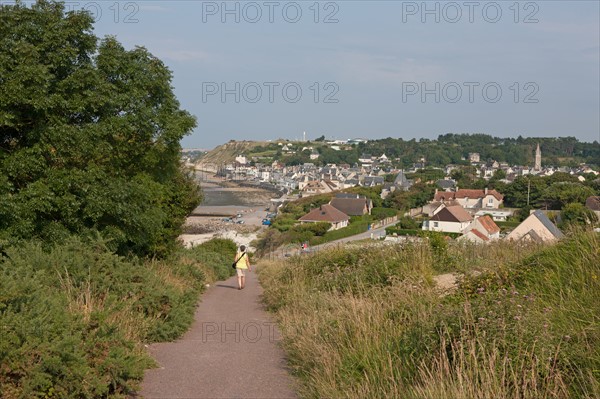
(89, 135)
(575, 214)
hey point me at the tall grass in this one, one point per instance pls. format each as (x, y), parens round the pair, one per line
(369, 322)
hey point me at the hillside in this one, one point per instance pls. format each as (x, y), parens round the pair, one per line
(227, 152)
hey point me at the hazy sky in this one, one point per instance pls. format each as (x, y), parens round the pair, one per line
(375, 69)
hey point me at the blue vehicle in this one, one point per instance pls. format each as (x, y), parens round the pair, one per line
(266, 222)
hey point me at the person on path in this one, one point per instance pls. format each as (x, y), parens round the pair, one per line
(243, 264)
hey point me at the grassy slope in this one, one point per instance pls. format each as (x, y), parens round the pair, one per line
(370, 323)
(227, 152)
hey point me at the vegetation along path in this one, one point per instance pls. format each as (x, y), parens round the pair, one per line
(231, 351)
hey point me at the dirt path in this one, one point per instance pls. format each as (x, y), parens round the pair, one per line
(231, 351)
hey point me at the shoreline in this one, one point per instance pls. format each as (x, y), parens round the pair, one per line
(227, 200)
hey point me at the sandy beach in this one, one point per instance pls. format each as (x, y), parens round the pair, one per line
(223, 200)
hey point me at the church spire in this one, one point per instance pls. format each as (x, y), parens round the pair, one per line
(538, 158)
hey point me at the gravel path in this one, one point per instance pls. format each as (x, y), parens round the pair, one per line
(231, 351)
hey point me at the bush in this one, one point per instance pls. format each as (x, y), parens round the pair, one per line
(406, 222)
(74, 317)
(382, 213)
(217, 255)
(317, 229)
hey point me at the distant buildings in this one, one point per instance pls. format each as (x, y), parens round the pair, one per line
(474, 157)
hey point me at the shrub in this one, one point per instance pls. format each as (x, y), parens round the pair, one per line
(382, 213)
(74, 317)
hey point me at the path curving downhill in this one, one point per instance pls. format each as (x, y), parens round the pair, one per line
(231, 351)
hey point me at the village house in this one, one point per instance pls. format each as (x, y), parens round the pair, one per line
(537, 228)
(402, 183)
(326, 213)
(498, 215)
(471, 198)
(483, 226)
(365, 159)
(315, 187)
(352, 204)
(451, 219)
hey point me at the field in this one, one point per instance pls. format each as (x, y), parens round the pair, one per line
(371, 323)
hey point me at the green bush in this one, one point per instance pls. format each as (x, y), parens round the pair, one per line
(382, 213)
(217, 254)
(406, 222)
(317, 229)
(74, 317)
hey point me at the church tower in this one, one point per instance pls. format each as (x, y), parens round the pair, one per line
(538, 158)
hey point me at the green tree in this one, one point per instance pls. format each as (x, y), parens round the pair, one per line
(576, 214)
(89, 135)
(560, 194)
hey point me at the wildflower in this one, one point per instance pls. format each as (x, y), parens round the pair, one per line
(517, 318)
(481, 319)
(519, 306)
(567, 337)
(480, 290)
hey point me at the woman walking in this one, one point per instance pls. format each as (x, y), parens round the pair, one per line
(242, 264)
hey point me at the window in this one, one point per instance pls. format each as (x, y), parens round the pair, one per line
(435, 224)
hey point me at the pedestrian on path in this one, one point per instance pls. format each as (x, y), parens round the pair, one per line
(242, 264)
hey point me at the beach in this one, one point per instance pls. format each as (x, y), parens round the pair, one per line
(228, 210)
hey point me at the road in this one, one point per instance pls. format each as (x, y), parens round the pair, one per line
(282, 252)
(231, 351)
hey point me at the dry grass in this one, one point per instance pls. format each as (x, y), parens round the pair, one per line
(348, 334)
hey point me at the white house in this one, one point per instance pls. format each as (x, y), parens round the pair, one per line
(451, 219)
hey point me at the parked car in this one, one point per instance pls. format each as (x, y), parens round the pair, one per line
(266, 222)
(227, 220)
(240, 222)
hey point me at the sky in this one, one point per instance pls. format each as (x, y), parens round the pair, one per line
(373, 69)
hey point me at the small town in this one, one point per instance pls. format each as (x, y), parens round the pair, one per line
(339, 190)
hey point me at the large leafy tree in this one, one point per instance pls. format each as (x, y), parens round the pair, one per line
(89, 135)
